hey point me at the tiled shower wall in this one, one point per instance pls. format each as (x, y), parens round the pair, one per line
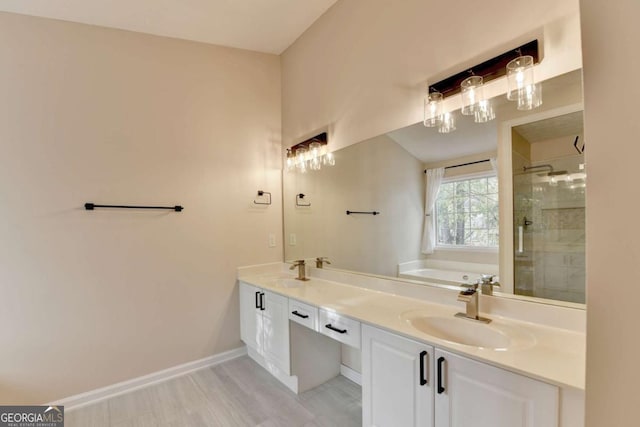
(552, 263)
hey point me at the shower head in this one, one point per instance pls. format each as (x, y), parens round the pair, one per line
(530, 169)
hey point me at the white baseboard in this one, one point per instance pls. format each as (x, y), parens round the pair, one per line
(349, 373)
(97, 395)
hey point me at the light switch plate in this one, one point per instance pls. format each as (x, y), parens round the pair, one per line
(272, 240)
(293, 240)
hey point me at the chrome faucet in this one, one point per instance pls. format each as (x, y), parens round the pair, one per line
(487, 284)
(469, 295)
(301, 269)
(322, 260)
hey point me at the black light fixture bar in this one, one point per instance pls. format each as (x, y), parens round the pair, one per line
(320, 138)
(91, 206)
(489, 70)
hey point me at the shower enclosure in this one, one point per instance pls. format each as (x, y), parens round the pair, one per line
(549, 186)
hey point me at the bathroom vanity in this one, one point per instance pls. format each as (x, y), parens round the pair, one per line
(421, 366)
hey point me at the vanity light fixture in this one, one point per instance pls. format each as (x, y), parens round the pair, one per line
(311, 154)
(517, 64)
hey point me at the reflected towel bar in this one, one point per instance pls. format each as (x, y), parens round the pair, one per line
(91, 206)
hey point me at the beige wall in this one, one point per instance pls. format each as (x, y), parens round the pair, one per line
(555, 148)
(612, 127)
(91, 114)
(377, 174)
(361, 68)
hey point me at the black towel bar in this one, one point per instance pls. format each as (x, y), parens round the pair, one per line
(91, 206)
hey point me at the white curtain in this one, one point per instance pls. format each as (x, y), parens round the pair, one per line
(434, 179)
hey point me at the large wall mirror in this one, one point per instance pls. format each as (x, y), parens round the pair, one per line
(509, 201)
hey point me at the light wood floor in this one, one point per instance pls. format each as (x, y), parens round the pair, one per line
(235, 393)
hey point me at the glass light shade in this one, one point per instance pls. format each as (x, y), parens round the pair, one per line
(448, 123)
(472, 92)
(328, 159)
(433, 109)
(291, 161)
(484, 112)
(301, 159)
(315, 163)
(519, 76)
(530, 97)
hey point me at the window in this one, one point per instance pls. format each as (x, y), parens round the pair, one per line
(467, 212)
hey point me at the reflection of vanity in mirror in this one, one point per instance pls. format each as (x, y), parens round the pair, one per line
(510, 202)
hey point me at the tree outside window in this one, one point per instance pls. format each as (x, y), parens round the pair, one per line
(467, 213)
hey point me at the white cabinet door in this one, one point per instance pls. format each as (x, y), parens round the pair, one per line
(251, 330)
(474, 394)
(276, 330)
(397, 380)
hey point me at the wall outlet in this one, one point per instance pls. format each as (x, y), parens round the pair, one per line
(272, 240)
(293, 240)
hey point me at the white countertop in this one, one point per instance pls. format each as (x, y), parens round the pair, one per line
(556, 355)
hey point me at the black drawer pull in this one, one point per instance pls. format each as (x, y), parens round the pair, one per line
(262, 301)
(440, 386)
(423, 375)
(304, 316)
(257, 299)
(340, 331)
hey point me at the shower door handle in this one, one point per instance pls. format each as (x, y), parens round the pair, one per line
(520, 239)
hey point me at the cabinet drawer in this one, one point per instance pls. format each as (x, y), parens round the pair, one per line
(340, 328)
(304, 314)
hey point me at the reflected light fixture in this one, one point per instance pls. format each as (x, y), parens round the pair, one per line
(484, 112)
(311, 154)
(291, 160)
(301, 159)
(448, 123)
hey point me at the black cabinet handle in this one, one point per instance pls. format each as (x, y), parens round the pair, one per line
(295, 313)
(262, 301)
(257, 299)
(440, 363)
(423, 375)
(340, 331)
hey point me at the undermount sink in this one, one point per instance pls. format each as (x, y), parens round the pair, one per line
(469, 333)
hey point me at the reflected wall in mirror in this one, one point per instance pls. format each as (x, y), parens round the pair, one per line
(473, 214)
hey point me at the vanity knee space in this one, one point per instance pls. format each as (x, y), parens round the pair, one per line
(285, 337)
